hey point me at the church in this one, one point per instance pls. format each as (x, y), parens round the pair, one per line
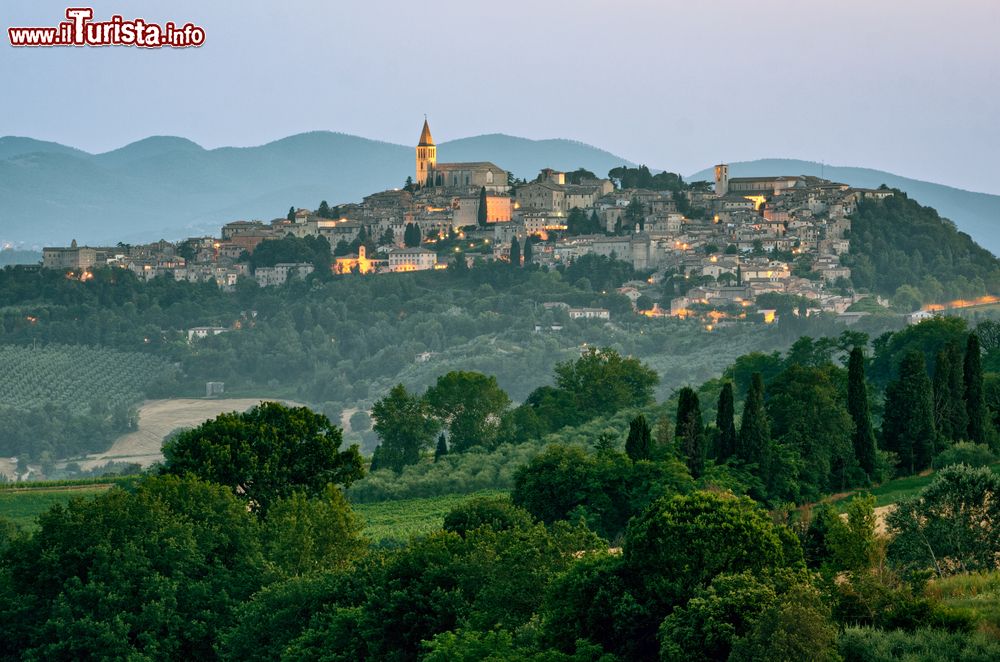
(471, 176)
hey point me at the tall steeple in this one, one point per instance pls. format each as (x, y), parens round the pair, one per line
(426, 154)
(425, 135)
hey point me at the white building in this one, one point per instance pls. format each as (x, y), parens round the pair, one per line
(589, 314)
(412, 259)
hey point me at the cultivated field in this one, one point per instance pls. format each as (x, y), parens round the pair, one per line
(157, 419)
(74, 376)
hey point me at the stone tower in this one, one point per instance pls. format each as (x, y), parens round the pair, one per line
(721, 179)
(426, 155)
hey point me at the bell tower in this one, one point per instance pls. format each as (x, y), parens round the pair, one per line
(426, 155)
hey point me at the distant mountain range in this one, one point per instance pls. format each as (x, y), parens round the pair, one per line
(169, 187)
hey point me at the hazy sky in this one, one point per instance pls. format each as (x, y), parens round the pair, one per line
(909, 86)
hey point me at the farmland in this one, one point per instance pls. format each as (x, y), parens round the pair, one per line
(75, 378)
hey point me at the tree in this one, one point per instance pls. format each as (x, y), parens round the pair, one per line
(663, 439)
(908, 422)
(291, 214)
(691, 431)
(635, 215)
(266, 453)
(482, 218)
(515, 252)
(498, 513)
(405, 425)
(411, 235)
(303, 535)
(681, 543)
(324, 210)
(603, 382)
(576, 222)
(638, 444)
(471, 405)
(975, 404)
(529, 251)
(725, 424)
(755, 434)
(859, 409)
(151, 572)
(958, 418)
(442, 447)
(943, 400)
(950, 526)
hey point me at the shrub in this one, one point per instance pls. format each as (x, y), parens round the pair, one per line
(965, 452)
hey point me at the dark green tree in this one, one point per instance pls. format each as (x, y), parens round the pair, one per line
(975, 403)
(404, 423)
(324, 210)
(755, 434)
(411, 235)
(442, 447)
(908, 422)
(291, 214)
(153, 572)
(639, 443)
(959, 420)
(266, 453)
(858, 408)
(515, 252)
(635, 215)
(725, 423)
(529, 251)
(943, 400)
(690, 431)
(471, 406)
(576, 222)
(482, 218)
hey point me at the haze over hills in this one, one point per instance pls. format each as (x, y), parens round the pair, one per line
(170, 187)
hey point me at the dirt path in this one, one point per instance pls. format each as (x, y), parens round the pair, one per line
(157, 419)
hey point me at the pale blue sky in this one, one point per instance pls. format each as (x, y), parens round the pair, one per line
(908, 86)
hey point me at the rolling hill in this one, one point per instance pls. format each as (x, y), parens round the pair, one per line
(976, 214)
(170, 187)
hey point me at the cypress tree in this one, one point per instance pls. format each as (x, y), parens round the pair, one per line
(291, 214)
(975, 401)
(755, 433)
(956, 391)
(515, 252)
(664, 439)
(529, 251)
(376, 459)
(691, 431)
(908, 423)
(943, 401)
(857, 406)
(639, 443)
(726, 424)
(481, 217)
(442, 448)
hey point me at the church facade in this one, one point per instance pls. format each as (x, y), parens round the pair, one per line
(468, 176)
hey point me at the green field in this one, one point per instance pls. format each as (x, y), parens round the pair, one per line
(398, 521)
(22, 506)
(386, 522)
(74, 376)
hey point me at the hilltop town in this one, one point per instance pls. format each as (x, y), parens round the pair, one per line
(711, 250)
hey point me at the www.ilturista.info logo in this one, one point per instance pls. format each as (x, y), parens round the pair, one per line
(80, 30)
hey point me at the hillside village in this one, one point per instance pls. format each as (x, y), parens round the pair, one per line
(711, 251)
